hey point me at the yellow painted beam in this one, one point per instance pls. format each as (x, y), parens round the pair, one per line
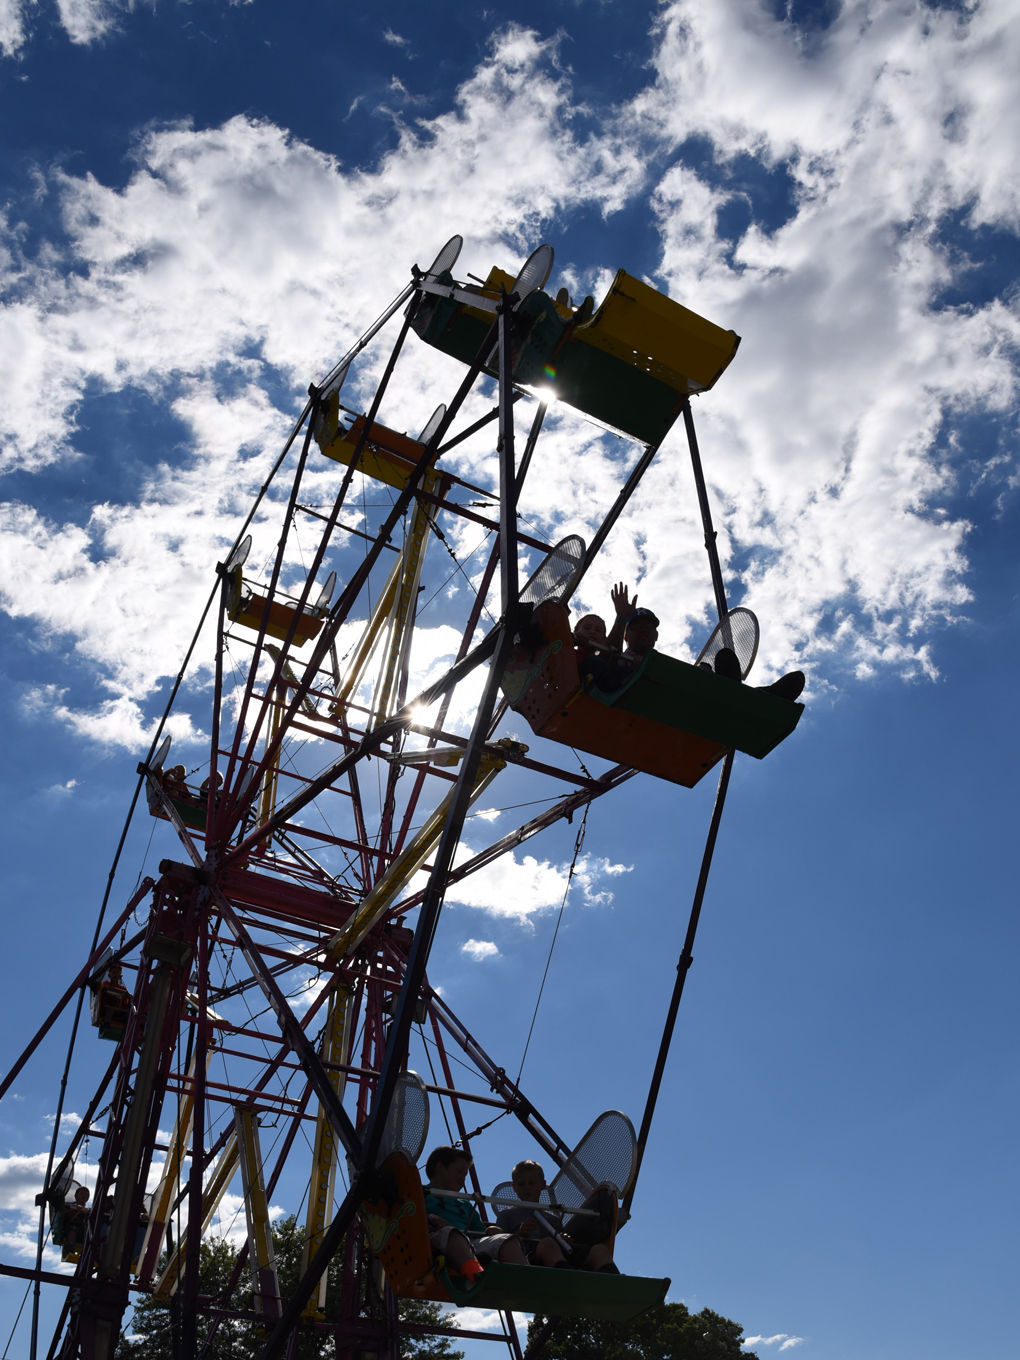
(409, 861)
(336, 1046)
(405, 597)
(261, 1256)
(166, 1284)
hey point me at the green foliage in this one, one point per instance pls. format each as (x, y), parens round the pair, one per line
(666, 1332)
(155, 1325)
(152, 1331)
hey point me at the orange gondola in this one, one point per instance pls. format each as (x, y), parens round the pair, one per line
(669, 719)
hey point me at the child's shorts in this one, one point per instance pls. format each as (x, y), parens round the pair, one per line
(486, 1248)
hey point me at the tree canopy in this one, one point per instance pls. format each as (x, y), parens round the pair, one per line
(150, 1334)
(666, 1332)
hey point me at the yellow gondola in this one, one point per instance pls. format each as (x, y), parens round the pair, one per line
(246, 606)
(630, 363)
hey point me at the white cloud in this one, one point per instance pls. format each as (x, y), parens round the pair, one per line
(517, 888)
(20, 1240)
(828, 445)
(13, 31)
(306, 989)
(86, 21)
(587, 873)
(920, 86)
(181, 240)
(487, 814)
(480, 949)
(783, 1340)
(114, 722)
(229, 1221)
(475, 1320)
(69, 1121)
(21, 1179)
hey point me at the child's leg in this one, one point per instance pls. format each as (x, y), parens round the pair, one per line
(548, 1252)
(459, 1253)
(512, 1252)
(600, 1257)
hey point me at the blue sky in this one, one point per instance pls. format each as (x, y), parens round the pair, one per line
(204, 204)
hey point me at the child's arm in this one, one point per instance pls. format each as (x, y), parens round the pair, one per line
(624, 607)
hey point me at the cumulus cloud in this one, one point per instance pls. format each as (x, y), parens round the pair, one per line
(518, 888)
(783, 1340)
(19, 1240)
(69, 1121)
(114, 722)
(21, 1178)
(479, 949)
(829, 450)
(86, 21)
(13, 30)
(475, 1319)
(229, 1221)
(231, 224)
(831, 447)
(487, 814)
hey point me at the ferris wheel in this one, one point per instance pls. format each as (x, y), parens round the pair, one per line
(267, 993)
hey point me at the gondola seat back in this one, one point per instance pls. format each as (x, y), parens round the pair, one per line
(396, 1225)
